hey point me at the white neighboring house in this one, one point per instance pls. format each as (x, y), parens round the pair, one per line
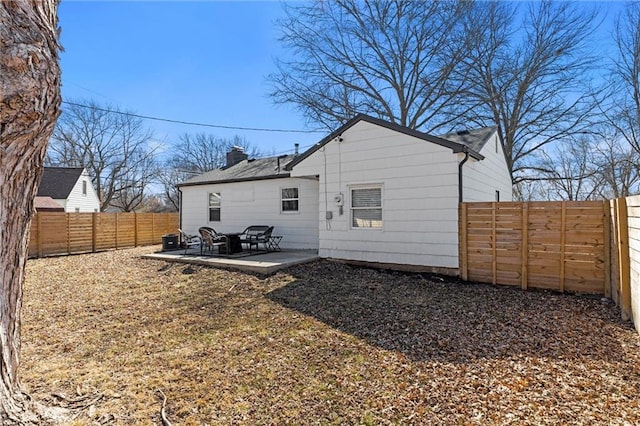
(372, 192)
(70, 187)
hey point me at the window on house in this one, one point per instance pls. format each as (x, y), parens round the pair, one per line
(77, 209)
(84, 187)
(214, 207)
(497, 195)
(366, 207)
(290, 199)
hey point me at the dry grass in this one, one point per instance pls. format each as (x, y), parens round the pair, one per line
(322, 343)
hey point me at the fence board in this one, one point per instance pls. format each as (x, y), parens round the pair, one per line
(551, 245)
(54, 233)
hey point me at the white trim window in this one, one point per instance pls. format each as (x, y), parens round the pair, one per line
(214, 206)
(289, 200)
(84, 187)
(366, 207)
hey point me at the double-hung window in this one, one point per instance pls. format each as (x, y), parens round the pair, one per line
(366, 207)
(214, 207)
(289, 199)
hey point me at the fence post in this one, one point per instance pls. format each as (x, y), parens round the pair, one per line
(68, 234)
(39, 239)
(117, 230)
(94, 231)
(135, 229)
(494, 259)
(153, 236)
(563, 237)
(464, 267)
(624, 280)
(524, 273)
(606, 206)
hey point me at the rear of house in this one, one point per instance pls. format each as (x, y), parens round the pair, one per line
(372, 192)
(389, 195)
(253, 192)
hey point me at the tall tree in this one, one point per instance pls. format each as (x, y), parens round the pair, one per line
(569, 172)
(195, 154)
(623, 110)
(114, 146)
(391, 59)
(29, 106)
(531, 71)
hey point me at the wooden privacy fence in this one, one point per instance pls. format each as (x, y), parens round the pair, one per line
(55, 233)
(551, 245)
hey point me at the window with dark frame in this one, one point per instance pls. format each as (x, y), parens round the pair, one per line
(366, 207)
(290, 199)
(214, 207)
(84, 187)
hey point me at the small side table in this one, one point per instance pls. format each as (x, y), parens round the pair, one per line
(274, 243)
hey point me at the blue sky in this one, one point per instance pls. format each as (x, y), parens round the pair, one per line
(192, 61)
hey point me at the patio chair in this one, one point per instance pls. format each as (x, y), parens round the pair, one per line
(211, 239)
(189, 240)
(256, 234)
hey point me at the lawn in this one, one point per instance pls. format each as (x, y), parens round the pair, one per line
(322, 343)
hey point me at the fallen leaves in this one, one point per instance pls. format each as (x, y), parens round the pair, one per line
(322, 343)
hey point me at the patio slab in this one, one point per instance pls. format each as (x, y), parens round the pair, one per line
(262, 263)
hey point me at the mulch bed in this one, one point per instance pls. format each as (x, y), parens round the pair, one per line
(322, 343)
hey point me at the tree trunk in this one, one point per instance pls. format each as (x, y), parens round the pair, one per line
(29, 107)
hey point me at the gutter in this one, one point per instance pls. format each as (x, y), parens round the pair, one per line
(179, 208)
(460, 164)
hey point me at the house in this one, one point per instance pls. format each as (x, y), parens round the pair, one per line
(70, 187)
(371, 191)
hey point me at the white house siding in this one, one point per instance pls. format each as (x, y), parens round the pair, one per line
(79, 202)
(256, 203)
(419, 197)
(481, 179)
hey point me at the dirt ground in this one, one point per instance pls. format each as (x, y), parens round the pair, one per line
(322, 343)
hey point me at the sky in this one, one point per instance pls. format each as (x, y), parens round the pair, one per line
(203, 62)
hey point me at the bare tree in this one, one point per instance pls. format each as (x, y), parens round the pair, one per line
(618, 167)
(391, 59)
(134, 184)
(569, 171)
(530, 72)
(195, 154)
(623, 110)
(29, 106)
(115, 147)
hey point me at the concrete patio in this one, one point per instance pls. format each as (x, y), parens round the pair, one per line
(258, 262)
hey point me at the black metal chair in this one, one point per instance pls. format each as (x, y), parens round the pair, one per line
(256, 235)
(211, 239)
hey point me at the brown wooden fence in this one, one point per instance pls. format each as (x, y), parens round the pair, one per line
(67, 233)
(551, 245)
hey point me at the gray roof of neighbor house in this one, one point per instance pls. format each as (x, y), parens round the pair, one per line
(57, 182)
(251, 169)
(457, 144)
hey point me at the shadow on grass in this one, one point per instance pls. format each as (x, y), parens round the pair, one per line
(431, 318)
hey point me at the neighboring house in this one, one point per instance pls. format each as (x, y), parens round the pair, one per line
(47, 204)
(71, 188)
(371, 191)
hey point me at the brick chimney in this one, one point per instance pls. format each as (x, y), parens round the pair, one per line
(235, 156)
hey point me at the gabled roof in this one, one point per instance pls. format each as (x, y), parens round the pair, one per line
(57, 182)
(251, 169)
(457, 145)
